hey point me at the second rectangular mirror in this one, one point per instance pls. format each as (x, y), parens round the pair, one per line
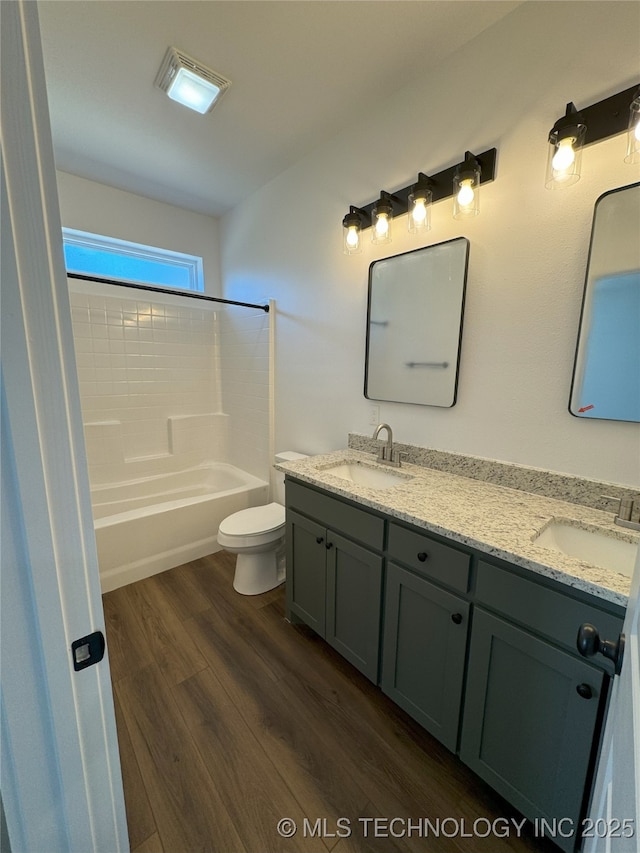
(414, 325)
(606, 378)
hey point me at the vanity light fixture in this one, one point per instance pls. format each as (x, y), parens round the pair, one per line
(419, 204)
(564, 157)
(633, 133)
(190, 83)
(381, 218)
(352, 226)
(577, 129)
(416, 200)
(466, 188)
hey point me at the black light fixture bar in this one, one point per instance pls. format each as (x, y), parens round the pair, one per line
(608, 117)
(442, 184)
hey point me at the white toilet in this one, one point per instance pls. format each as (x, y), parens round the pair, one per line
(256, 535)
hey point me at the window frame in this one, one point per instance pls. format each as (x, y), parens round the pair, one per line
(128, 249)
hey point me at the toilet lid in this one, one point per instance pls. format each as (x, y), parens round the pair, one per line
(256, 519)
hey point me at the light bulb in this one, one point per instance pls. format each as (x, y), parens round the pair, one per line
(419, 212)
(466, 193)
(382, 225)
(565, 154)
(353, 237)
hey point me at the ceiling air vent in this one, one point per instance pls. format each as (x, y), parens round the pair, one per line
(190, 83)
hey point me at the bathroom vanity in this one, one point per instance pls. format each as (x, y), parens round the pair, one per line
(475, 641)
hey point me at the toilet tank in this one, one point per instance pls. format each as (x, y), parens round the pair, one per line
(278, 481)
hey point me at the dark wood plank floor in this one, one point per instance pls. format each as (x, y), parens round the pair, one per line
(230, 719)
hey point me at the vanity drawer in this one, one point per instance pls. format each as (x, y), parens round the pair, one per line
(546, 611)
(339, 515)
(432, 559)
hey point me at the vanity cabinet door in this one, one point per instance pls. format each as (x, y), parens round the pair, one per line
(530, 718)
(306, 571)
(425, 637)
(353, 604)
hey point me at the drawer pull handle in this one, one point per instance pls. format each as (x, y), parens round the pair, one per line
(456, 617)
(329, 545)
(319, 539)
(585, 691)
(422, 556)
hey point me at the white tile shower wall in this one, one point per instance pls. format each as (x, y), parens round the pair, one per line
(140, 364)
(244, 348)
(166, 385)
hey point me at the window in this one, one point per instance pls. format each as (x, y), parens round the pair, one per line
(107, 257)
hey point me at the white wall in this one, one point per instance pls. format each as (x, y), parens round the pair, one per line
(100, 209)
(528, 247)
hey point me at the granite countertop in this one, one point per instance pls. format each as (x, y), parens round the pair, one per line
(496, 520)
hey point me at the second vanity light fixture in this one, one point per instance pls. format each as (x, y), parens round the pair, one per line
(462, 182)
(577, 128)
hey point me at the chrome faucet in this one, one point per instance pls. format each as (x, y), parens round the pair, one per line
(628, 514)
(386, 454)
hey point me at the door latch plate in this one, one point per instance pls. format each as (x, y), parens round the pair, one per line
(87, 650)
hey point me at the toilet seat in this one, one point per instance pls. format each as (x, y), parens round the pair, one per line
(248, 528)
(256, 519)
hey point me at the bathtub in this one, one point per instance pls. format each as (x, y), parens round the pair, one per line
(154, 523)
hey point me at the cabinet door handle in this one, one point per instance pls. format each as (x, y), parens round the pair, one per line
(589, 644)
(584, 690)
(456, 617)
(329, 545)
(319, 539)
(422, 556)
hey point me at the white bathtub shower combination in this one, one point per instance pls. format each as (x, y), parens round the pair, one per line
(151, 524)
(177, 398)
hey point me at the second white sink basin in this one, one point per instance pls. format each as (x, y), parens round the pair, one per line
(367, 475)
(597, 547)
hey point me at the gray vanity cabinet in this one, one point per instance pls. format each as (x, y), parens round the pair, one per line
(425, 630)
(306, 571)
(483, 655)
(533, 706)
(334, 584)
(530, 717)
(354, 591)
(425, 638)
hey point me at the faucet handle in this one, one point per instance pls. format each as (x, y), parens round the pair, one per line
(625, 506)
(611, 498)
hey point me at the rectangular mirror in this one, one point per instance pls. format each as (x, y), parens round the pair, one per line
(414, 325)
(606, 375)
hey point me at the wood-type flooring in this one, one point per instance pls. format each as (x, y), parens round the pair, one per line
(241, 733)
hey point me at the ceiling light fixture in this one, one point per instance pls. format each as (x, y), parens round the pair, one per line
(190, 83)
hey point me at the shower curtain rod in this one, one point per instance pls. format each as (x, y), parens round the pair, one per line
(153, 289)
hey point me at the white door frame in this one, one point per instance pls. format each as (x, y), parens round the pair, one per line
(614, 818)
(61, 781)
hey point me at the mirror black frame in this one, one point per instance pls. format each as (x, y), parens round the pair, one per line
(458, 346)
(586, 295)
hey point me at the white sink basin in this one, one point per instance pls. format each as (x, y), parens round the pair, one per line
(367, 475)
(597, 547)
